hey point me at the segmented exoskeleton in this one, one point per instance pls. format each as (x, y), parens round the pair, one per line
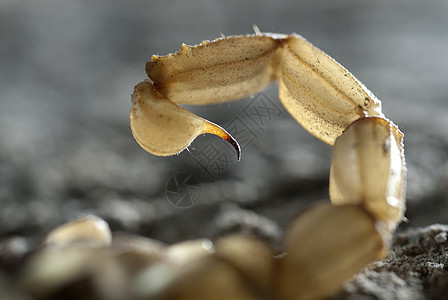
(327, 243)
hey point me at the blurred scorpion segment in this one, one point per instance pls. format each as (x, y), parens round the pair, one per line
(328, 243)
(368, 169)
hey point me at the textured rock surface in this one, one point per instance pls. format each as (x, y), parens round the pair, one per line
(416, 268)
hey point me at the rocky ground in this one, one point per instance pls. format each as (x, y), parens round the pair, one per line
(67, 72)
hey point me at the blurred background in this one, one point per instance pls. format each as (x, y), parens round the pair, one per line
(67, 70)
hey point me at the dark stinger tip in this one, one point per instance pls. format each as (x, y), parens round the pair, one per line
(235, 145)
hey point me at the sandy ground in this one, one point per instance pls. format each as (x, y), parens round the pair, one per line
(67, 69)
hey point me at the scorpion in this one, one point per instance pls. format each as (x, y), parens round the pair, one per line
(324, 245)
(367, 173)
(327, 243)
